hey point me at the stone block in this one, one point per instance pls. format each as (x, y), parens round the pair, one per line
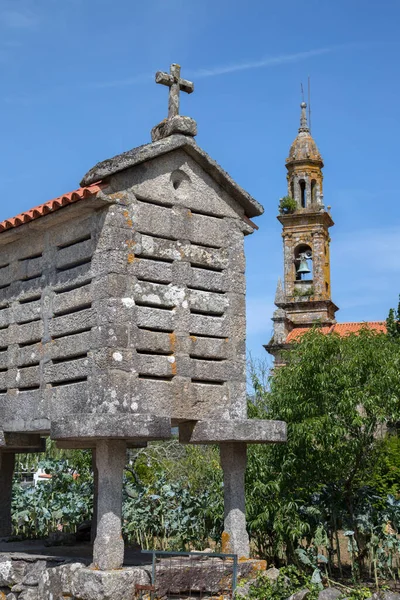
(112, 426)
(90, 584)
(57, 581)
(251, 431)
(35, 572)
(29, 593)
(12, 572)
(174, 125)
(330, 593)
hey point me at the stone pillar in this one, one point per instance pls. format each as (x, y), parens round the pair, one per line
(93, 529)
(7, 463)
(108, 548)
(235, 538)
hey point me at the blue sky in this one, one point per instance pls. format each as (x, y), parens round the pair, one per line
(77, 87)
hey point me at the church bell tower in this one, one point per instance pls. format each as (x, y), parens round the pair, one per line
(304, 299)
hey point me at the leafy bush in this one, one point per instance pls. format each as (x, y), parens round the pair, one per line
(334, 393)
(287, 205)
(303, 293)
(290, 581)
(60, 503)
(173, 497)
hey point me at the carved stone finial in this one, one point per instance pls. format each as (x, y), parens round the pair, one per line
(303, 117)
(176, 84)
(175, 123)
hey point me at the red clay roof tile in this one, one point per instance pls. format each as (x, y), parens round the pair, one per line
(341, 328)
(50, 206)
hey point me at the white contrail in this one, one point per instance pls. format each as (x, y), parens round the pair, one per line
(269, 61)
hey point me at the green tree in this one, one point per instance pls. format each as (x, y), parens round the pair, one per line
(333, 393)
(393, 322)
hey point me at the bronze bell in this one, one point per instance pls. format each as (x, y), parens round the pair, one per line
(303, 267)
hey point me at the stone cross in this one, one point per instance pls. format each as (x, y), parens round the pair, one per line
(176, 84)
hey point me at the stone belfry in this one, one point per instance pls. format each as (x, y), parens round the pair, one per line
(304, 299)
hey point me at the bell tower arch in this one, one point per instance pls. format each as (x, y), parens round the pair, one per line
(305, 297)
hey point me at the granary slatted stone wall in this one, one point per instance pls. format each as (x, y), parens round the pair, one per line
(185, 298)
(47, 311)
(137, 307)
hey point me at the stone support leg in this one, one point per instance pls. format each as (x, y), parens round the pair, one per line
(93, 528)
(7, 463)
(235, 538)
(108, 548)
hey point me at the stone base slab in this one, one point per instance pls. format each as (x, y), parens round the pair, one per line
(249, 431)
(90, 427)
(40, 577)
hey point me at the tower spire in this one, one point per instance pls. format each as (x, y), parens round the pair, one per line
(303, 118)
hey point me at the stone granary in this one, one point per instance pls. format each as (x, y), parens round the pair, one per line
(304, 300)
(122, 314)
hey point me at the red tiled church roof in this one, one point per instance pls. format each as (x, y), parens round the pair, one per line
(341, 328)
(50, 206)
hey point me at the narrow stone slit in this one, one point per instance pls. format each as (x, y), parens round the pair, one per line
(143, 200)
(149, 304)
(6, 285)
(205, 213)
(207, 312)
(83, 238)
(208, 382)
(3, 348)
(154, 352)
(156, 329)
(2, 392)
(70, 358)
(30, 343)
(156, 377)
(201, 288)
(73, 265)
(206, 358)
(208, 337)
(2, 327)
(29, 320)
(30, 299)
(168, 238)
(59, 336)
(210, 246)
(28, 365)
(69, 381)
(156, 259)
(3, 369)
(74, 309)
(4, 265)
(28, 388)
(72, 286)
(31, 257)
(196, 265)
(31, 278)
(154, 280)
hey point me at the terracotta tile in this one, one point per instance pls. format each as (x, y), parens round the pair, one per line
(50, 206)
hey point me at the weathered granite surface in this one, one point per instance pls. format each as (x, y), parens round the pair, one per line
(151, 151)
(48, 578)
(250, 431)
(175, 125)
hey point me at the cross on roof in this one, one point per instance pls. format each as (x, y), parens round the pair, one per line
(176, 84)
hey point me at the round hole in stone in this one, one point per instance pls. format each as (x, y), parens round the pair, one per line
(180, 182)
